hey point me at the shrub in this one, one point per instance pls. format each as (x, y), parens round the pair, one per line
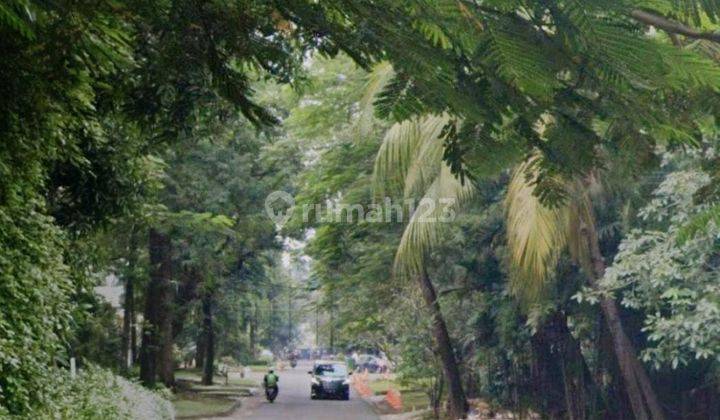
(35, 309)
(98, 394)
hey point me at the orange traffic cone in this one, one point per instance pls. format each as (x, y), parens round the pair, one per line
(394, 399)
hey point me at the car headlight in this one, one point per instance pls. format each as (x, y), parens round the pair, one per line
(314, 381)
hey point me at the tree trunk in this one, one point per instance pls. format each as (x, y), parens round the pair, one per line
(133, 339)
(289, 319)
(270, 332)
(546, 385)
(253, 329)
(317, 325)
(640, 393)
(575, 401)
(166, 364)
(200, 349)
(443, 346)
(618, 402)
(437, 391)
(209, 335)
(128, 334)
(128, 324)
(579, 389)
(332, 330)
(156, 345)
(126, 361)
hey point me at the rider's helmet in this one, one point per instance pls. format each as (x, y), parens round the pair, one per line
(271, 371)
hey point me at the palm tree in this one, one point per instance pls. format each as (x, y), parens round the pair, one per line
(537, 236)
(410, 157)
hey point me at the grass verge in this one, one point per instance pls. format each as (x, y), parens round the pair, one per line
(412, 398)
(196, 400)
(192, 405)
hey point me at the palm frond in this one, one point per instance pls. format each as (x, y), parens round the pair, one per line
(409, 148)
(410, 160)
(443, 197)
(536, 234)
(428, 161)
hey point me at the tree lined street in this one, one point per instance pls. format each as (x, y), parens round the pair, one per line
(294, 401)
(511, 206)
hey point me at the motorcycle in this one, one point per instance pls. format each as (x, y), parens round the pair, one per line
(293, 363)
(271, 393)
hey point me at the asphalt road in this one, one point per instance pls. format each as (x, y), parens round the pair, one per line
(293, 402)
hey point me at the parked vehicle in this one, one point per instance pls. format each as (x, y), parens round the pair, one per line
(305, 353)
(368, 362)
(329, 379)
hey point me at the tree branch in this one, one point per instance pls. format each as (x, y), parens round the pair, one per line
(672, 27)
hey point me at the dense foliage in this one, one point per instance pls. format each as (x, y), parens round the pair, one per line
(96, 393)
(95, 94)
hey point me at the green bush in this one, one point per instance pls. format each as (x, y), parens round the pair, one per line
(35, 308)
(98, 394)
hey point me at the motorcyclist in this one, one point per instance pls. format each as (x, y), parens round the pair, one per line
(270, 382)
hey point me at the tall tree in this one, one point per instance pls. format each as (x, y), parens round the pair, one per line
(81, 79)
(444, 347)
(208, 333)
(156, 348)
(411, 155)
(536, 237)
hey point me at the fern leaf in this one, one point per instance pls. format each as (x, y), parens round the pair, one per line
(16, 15)
(519, 58)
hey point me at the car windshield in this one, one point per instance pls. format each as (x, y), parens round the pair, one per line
(331, 369)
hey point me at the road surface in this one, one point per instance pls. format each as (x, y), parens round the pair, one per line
(294, 403)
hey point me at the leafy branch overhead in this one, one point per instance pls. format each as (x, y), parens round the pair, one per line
(579, 62)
